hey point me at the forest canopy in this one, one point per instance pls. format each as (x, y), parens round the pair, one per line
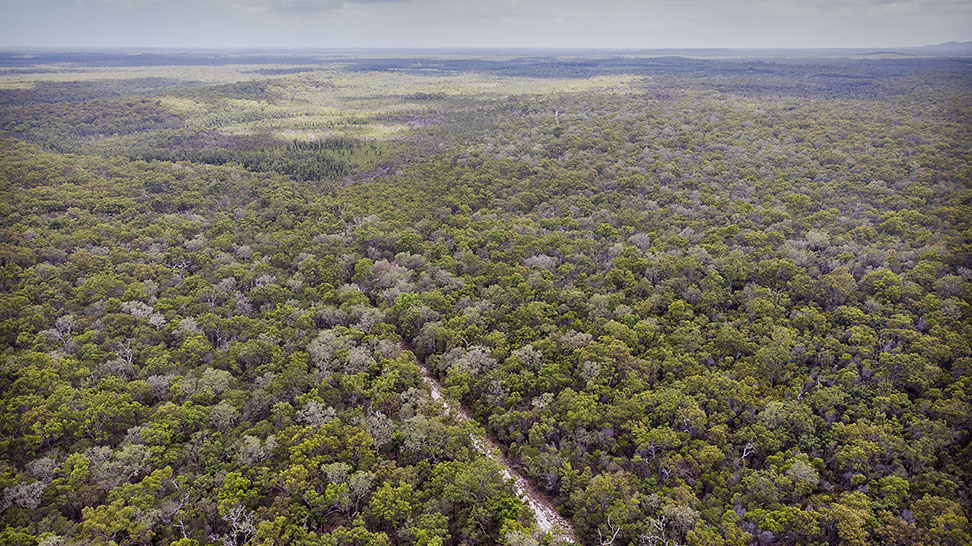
(692, 301)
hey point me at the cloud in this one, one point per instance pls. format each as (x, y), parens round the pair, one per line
(485, 23)
(305, 6)
(301, 6)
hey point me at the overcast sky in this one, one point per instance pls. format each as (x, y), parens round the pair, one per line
(492, 23)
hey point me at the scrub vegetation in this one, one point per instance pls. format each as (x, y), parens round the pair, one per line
(693, 301)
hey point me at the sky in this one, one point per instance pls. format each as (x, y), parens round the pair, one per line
(487, 23)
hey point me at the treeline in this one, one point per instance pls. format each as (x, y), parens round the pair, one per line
(304, 164)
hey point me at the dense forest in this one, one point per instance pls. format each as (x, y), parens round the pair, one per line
(693, 301)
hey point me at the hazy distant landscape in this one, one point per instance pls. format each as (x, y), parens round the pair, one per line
(485, 296)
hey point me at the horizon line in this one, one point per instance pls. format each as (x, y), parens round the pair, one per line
(461, 47)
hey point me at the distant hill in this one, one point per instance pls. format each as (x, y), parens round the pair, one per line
(945, 48)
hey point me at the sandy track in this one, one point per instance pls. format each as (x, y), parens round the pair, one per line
(548, 520)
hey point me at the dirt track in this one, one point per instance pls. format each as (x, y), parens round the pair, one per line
(548, 520)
